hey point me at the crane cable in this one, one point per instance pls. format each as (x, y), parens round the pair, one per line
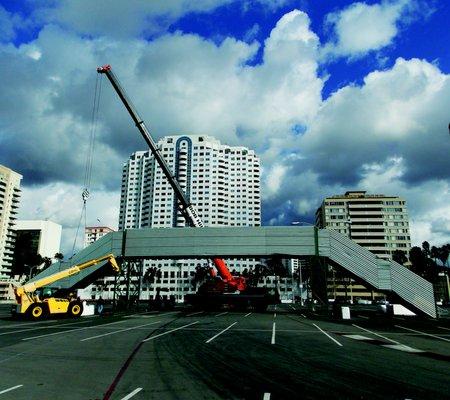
(89, 156)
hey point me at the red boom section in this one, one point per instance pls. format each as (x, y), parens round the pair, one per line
(234, 282)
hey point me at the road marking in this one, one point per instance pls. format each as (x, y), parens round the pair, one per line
(303, 315)
(27, 323)
(43, 327)
(274, 315)
(195, 313)
(211, 339)
(423, 333)
(120, 330)
(325, 333)
(273, 334)
(292, 307)
(11, 388)
(358, 337)
(403, 347)
(73, 330)
(135, 316)
(218, 315)
(246, 315)
(441, 327)
(130, 395)
(363, 316)
(376, 334)
(266, 396)
(172, 330)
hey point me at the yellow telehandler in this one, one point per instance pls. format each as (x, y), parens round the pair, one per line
(36, 306)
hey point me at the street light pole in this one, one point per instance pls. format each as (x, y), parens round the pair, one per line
(299, 263)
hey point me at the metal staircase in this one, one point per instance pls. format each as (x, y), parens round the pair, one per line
(383, 275)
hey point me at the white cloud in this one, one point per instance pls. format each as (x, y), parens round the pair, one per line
(361, 27)
(131, 18)
(183, 83)
(274, 179)
(62, 203)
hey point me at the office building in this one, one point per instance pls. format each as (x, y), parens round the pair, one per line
(9, 204)
(223, 183)
(34, 237)
(377, 222)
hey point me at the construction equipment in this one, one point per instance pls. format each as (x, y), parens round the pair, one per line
(224, 282)
(33, 302)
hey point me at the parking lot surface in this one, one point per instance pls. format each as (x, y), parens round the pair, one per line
(285, 353)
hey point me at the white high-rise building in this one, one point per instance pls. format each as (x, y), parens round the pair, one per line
(223, 183)
(9, 203)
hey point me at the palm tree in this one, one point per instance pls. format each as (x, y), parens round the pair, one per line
(434, 253)
(399, 256)
(443, 253)
(426, 248)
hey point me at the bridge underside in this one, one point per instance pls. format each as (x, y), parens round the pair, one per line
(229, 242)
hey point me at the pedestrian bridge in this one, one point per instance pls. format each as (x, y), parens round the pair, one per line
(229, 242)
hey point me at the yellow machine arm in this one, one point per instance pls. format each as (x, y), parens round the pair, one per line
(32, 286)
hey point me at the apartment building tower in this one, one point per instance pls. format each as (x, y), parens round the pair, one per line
(377, 222)
(93, 233)
(9, 204)
(223, 183)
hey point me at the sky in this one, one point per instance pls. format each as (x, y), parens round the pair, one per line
(333, 96)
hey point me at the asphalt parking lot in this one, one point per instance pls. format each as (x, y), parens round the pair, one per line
(282, 354)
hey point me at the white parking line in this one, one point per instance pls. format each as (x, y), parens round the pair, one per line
(211, 339)
(155, 314)
(266, 396)
(402, 347)
(130, 395)
(274, 315)
(120, 330)
(195, 313)
(303, 315)
(273, 334)
(246, 315)
(73, 330)
(172, 330)
(376, 334)
(423, 333)
(325, 333)
(11, 388)
(26, 324)
(441, 327)
(43, 327)
(218, 315)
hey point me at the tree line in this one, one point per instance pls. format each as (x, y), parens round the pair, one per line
(426, 261)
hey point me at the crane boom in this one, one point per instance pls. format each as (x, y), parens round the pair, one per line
(187, 209)
(32, 286)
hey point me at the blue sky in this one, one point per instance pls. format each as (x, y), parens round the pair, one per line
(333, 96)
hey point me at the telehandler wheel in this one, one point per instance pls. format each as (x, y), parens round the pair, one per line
(36, 312)
(75, 309)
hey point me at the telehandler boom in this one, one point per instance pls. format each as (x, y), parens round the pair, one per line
(35, 306)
